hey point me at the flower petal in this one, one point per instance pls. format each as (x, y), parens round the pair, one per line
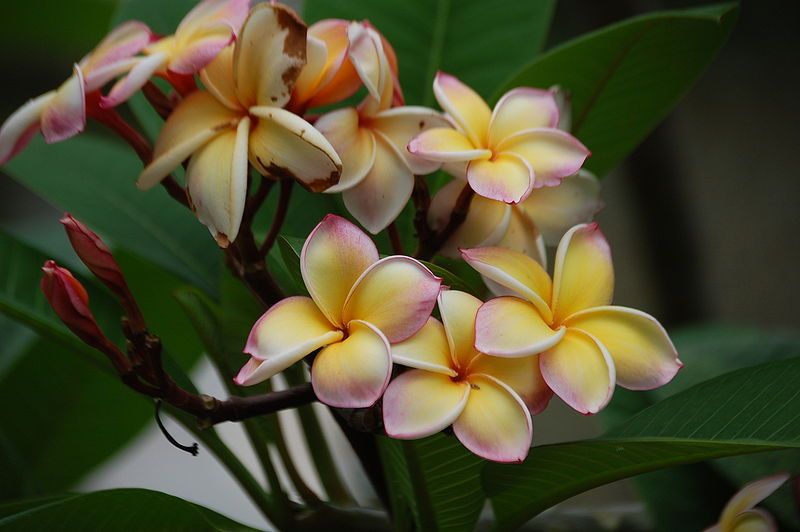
(207, 29)
(354, 144)
(583, 273)
(201, 50)
(749, 496)
(419, 403)
(396, 295)
(65, 115)
(755, 520)
(464, 106)
(511, 327)
(401, 124)
(495, 423)
(196, 120)
(643, 354)
(367, 56)
(505, 178)
(427, 349)
(379, 198)
(555, 210)
(553, 154)
(339, 79)
(283, 145)
(333, 258)
(288, 331)
(353, 373)
(520, 374)
(580, 371)
(123, 42)
(217, 78)
(136, 78)
(523, 236)
(445, 145)
(458, 310)
(22, 125)
(269, 55)
(515, 271)
(521, 109)
(230, 13)
(311, 75)
(216, 180)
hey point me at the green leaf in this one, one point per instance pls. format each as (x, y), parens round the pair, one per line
(626, 78)
(482, 45)
(748, 410)
(120, 509)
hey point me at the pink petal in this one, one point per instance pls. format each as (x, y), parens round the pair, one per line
(521, 109)
(139, 75)
(505, 178)
(400, 124)
(65, 115)
(553, 154)
(427, 349)
(464, 106)
(21, 126)
(445, 145)
(511, 327)
(354, 144)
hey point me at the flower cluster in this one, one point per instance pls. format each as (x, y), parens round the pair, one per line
(245, 81)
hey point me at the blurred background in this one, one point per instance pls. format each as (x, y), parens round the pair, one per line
(701, 219)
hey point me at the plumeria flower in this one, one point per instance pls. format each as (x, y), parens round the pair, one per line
(741, 515)
(202, 34)
(486, 399)
(506, 153)
(541, 219)
(358, 306)
(377, 170)
(239, 119)
(60, 114)
(586, 345)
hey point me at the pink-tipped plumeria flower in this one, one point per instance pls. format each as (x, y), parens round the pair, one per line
(541, 219)
(586, 345)
(61, 113)
(239, 119)
(377, 170)
(358, 306)
(202, 34)
(741, 515)
(506, 153)
(486, 399)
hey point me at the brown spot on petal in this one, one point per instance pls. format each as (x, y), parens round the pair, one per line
(320, 185)
(290, 75)
(295, 43)
(222, 240)
(278, 172)
(421, 124)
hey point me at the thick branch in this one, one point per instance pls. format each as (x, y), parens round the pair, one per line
(280, 216)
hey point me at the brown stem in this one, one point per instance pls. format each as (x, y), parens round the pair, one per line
(256, 200)
(394, 238)
(247, 264)
(280, 217)
(158, 100)
(421, 197)
(428, 247)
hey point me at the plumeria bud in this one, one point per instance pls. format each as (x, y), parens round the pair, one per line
(96, 255)
(70, 300)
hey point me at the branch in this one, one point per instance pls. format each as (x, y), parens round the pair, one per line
(280, 217)
(394, 238)
(429, 242)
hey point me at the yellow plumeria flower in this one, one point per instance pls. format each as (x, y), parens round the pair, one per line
(586, 345)
(377, 170)
(741, 515)
(359, 304)
(506, 153)
(202, 34)
(542, 218)
(61, 113)
(239, 119)
(486, 399)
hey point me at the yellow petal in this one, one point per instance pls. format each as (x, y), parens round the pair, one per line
(446, 146)
(749, 496)
(419, 403)
(288, 331)
(401, 124)
(427, 349)
(521, 374)
(458, 310)
(511, 327)
(354, 144)
(580, 371)
(521, 109)
(553, 154)
(755, 520)
(495, 423)
(285, 146)
(583, 273)
(338, 79)
(311, 75)
(353, 373)
(523, 236)
(333, 258)
(217, 78)
(505, 178)
(464, 106)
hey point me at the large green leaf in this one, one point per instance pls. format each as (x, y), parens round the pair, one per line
(482, 44)
(748, 410)
(624, 79)
(120, 509)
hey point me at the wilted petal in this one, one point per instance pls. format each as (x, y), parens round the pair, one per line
(445, 145)
(216, 180)
(288, 331)
(464, 106)
(401, 124)
(196, 120)
(269, 55)
(749, 496)
(419, 403)
(580, 371)
(553, 154)
(283, 145)
(138, 76)
(521, 109)
(396, 294)
(382, 194)
(333, 258)
(353, 373)
(354, 144)
(505, 178)
(65, 114)
(428, 349)
(520, 374)
(583, 274)
(217, 78)
(511, 327)
(495, 423)
(21, 126)
(523, 236)
(643, 354)
(458, 310)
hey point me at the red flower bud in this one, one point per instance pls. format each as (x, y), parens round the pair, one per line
(69, 299)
